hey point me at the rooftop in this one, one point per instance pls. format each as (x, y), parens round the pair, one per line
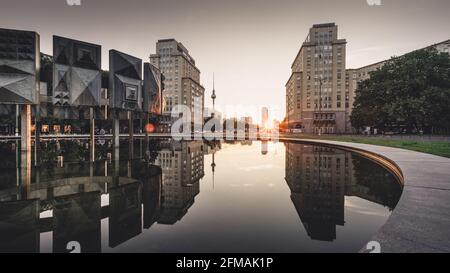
(324, 25)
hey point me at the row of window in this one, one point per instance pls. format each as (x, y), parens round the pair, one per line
(327, 105)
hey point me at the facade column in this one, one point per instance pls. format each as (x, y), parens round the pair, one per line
(146, 147)
(25, 128)
(25, 150)
(92, 134)
(37, 137)
(116, 134)
(17, 127)
(25, 173)
(131, 134)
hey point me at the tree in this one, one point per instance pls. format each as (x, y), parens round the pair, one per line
(411, 92)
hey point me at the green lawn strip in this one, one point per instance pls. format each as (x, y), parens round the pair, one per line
(430, 147)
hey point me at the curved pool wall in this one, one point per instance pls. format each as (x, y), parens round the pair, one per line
(421, 220)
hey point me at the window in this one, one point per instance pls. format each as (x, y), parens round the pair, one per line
(131, 92)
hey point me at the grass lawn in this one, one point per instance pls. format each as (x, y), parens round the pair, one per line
(430, 147)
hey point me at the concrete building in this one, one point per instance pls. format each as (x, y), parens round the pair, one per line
(59, 93)
(19, 80)
(314, 92)
(181, 77)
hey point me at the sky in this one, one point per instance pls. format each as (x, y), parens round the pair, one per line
(248, 44)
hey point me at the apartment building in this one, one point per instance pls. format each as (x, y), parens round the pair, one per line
(182, 77)
(315, 90)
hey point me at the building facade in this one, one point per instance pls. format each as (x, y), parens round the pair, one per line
(181, 78)
(19, 67)
(315, 90)
(293, 100)
(62, 87)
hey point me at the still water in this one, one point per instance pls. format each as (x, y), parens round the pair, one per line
(167, 196)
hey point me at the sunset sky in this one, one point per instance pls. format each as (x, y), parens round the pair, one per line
(249, 44)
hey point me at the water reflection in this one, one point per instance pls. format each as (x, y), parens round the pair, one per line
(155, 183)
(319, 179)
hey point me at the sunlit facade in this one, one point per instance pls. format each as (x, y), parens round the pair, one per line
(315, 90)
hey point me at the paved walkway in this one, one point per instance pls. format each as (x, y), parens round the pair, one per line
(421, 220)
(418, 138)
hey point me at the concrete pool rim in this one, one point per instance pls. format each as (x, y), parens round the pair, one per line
(384, 161)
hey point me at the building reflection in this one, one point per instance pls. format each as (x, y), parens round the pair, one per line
(19, 227)
(77, 218)
(182, 165)
(321, 177)
(316, 177)
(69, 196)
(125, 212)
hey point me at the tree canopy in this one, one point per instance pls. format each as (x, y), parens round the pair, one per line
(411, 93)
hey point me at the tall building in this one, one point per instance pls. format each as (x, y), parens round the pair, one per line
(181, 78)
(314, 92)
(264, 117)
